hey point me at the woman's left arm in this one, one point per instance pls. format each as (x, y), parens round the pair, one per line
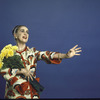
(71, 53)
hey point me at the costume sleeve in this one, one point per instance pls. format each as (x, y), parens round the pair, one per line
(8, 76)
(47, 56)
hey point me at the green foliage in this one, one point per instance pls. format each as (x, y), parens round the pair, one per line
(13, 62)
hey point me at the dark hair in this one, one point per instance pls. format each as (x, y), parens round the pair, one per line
(15, 29)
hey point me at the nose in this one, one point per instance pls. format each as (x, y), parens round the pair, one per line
(25, 33)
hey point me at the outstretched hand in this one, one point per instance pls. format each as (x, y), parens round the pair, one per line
(74, 51)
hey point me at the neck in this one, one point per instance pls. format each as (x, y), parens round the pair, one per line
(21, 47)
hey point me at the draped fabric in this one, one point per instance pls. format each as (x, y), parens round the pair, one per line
(18, 87)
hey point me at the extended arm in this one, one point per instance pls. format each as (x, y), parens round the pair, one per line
(72, 52)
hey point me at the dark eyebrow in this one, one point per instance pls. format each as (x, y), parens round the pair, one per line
(23, 29)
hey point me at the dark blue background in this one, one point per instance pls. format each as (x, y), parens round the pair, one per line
(58, 25)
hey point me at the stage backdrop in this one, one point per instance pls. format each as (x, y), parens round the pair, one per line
(58, 25)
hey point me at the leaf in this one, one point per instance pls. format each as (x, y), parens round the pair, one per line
(13, 62)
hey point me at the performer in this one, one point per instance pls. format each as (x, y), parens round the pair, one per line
(18, 87)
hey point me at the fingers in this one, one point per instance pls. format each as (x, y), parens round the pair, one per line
(78, 54)
(79, 51)
(74, 46)
(28, 78)
(31, 77)
(74, 51)
(78, 48)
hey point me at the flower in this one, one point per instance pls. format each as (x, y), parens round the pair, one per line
(14, 48)
(1, 64)
(8, 59)
(7, 51)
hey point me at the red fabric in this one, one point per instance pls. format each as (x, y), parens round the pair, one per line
(21, 97)
(13, 80)
(10, 93)
(55, 61)
(22, 88)
(9, 71)
(38, 79)
(2, 73)
(22, 50)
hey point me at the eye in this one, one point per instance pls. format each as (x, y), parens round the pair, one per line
(27, 32)
(22, 30)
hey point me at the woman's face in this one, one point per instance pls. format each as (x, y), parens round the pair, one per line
(22, 34)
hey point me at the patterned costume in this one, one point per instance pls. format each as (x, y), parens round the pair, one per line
(18, 87)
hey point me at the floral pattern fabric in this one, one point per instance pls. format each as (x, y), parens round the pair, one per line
(18, 87)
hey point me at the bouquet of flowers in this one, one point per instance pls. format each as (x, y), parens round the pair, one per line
(8, 59)
(7, 56)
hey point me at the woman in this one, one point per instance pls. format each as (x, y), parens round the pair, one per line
(18, 87)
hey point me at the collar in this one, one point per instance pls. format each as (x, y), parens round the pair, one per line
(22, 50)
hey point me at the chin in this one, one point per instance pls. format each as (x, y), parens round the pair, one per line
(24, 42)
